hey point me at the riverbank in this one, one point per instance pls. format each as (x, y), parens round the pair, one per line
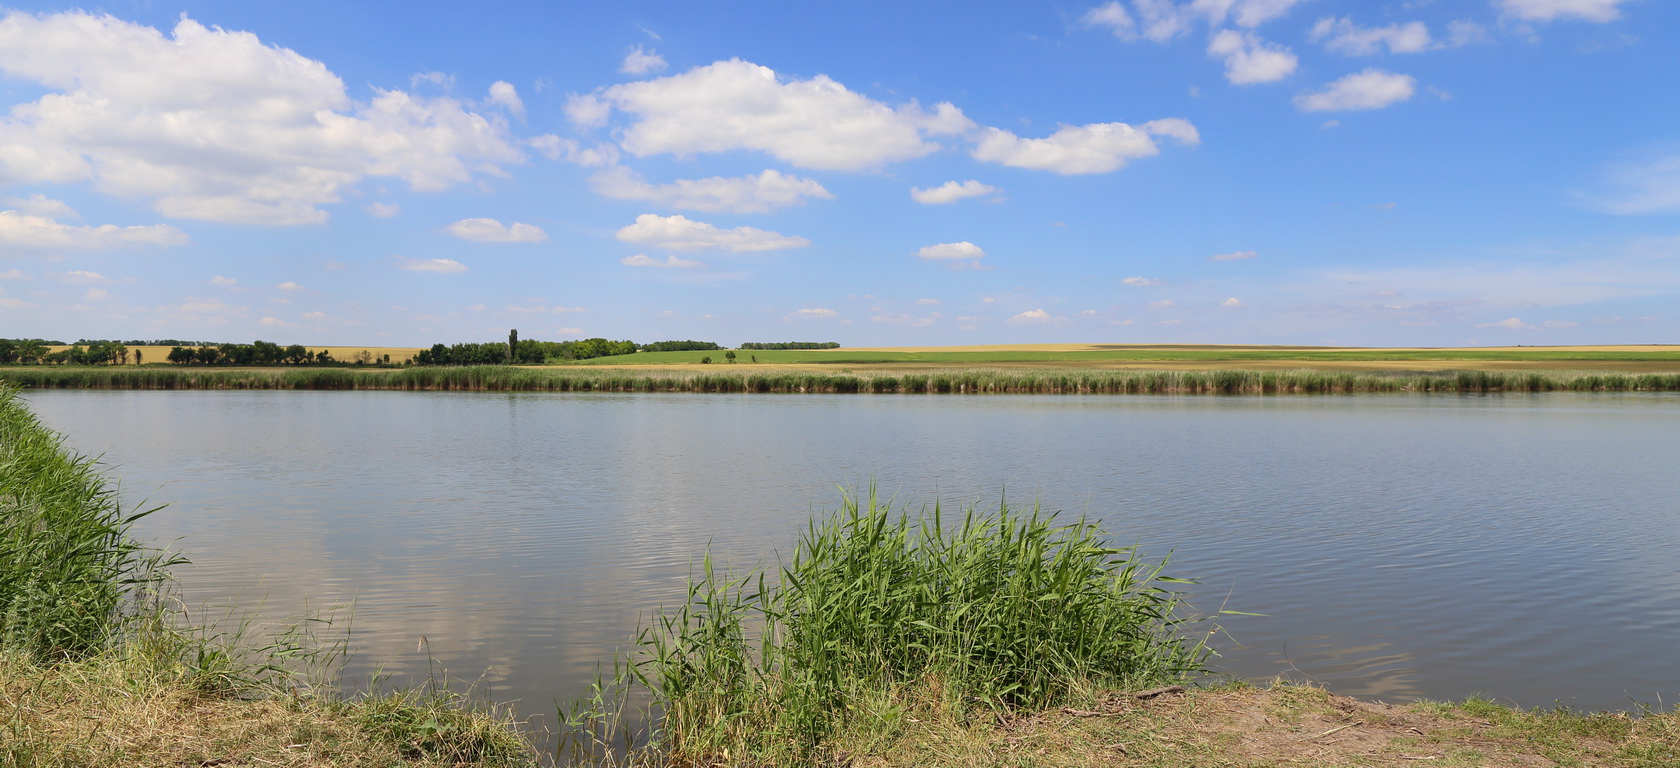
(742, 379)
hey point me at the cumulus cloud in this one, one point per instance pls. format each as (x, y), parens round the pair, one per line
(1082, 149)
(214, 124)
(1343, 36)
(569, 150)
(432, 265)
(641, 62)
(670, 262)
(383, 210)
(741, 194)
(1370, 89)
(1601, 11)
(734, 105)
(1232, 256)
(289, 286)
(959, 255)
(927, 302)
(679, 233)
(41, 205)
(1162, 304)
(503, 94)
(1249, 60)
(225, 282)
(1141, 282)
(1162, 20)
(24, 231)
(83, 277)
(13, 274)
(493, 231)
(1232, 302)
(1509, 323)
(1034, 317)
(816, 312)
(951, 191)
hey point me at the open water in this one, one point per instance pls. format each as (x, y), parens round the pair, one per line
(1526, 547)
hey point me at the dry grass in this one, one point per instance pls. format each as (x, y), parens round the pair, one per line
(1286, 725)
(124, 710)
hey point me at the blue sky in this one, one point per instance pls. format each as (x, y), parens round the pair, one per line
(1213, 171)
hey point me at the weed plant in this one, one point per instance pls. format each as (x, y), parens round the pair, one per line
(881, 612)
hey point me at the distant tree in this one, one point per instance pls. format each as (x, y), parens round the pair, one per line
(362, 357)
(730, 355)
(324, 357)
(755, 358)
(296, 354)
(706, 360)
(513, 344)
(139, 357)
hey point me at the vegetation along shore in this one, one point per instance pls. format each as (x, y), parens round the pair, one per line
(746, 380)
(892, 636)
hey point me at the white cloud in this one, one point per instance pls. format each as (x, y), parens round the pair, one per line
(1231, 302)
(1080, 149)
(1461, 33)
(1343, 36)
(493, 231)
(816, 312)
(214, 124)
(1651, 186)
(289, 286)
(225, 282)
(1162, 20)
(670, 262)
(641, 62)
(1601, 11)
(21, 230)
(733, 105)
(1141, 282)
(446, 266)
(928, 302)
(679, 233)
(741, 194)
(1162, 304)
(961, 255)
(555, 148)
(13, 274)
(1509, 323)
(41, 205)
(203, 307)
(1232, 256)
(1370, 89)
(1248, 59)
(503, 94)
(95, 294)
(275, 322)
(83, 277)
(383, 210)
(951, 191)
(1034, 317)
(587, 110)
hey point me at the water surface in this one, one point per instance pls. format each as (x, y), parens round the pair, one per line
(1520, 546)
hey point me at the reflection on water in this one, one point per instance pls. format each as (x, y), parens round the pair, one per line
(1438, 546)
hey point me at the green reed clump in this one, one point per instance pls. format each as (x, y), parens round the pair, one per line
(998, 609)
(67, 565)
(494, 378)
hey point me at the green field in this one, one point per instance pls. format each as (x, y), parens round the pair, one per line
(1100, 354)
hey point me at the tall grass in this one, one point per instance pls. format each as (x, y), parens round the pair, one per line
(968, 381)
(880, 609)
(68, 568)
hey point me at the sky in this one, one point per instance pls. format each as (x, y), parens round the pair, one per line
(1409, 173)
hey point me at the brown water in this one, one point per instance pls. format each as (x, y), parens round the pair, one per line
(1520, 546)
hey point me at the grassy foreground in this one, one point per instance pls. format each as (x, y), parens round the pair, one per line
(744, 379)
(96, 671)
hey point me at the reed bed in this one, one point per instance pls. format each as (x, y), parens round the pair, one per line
(68, 568)
(976, 381)
(881, 611)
